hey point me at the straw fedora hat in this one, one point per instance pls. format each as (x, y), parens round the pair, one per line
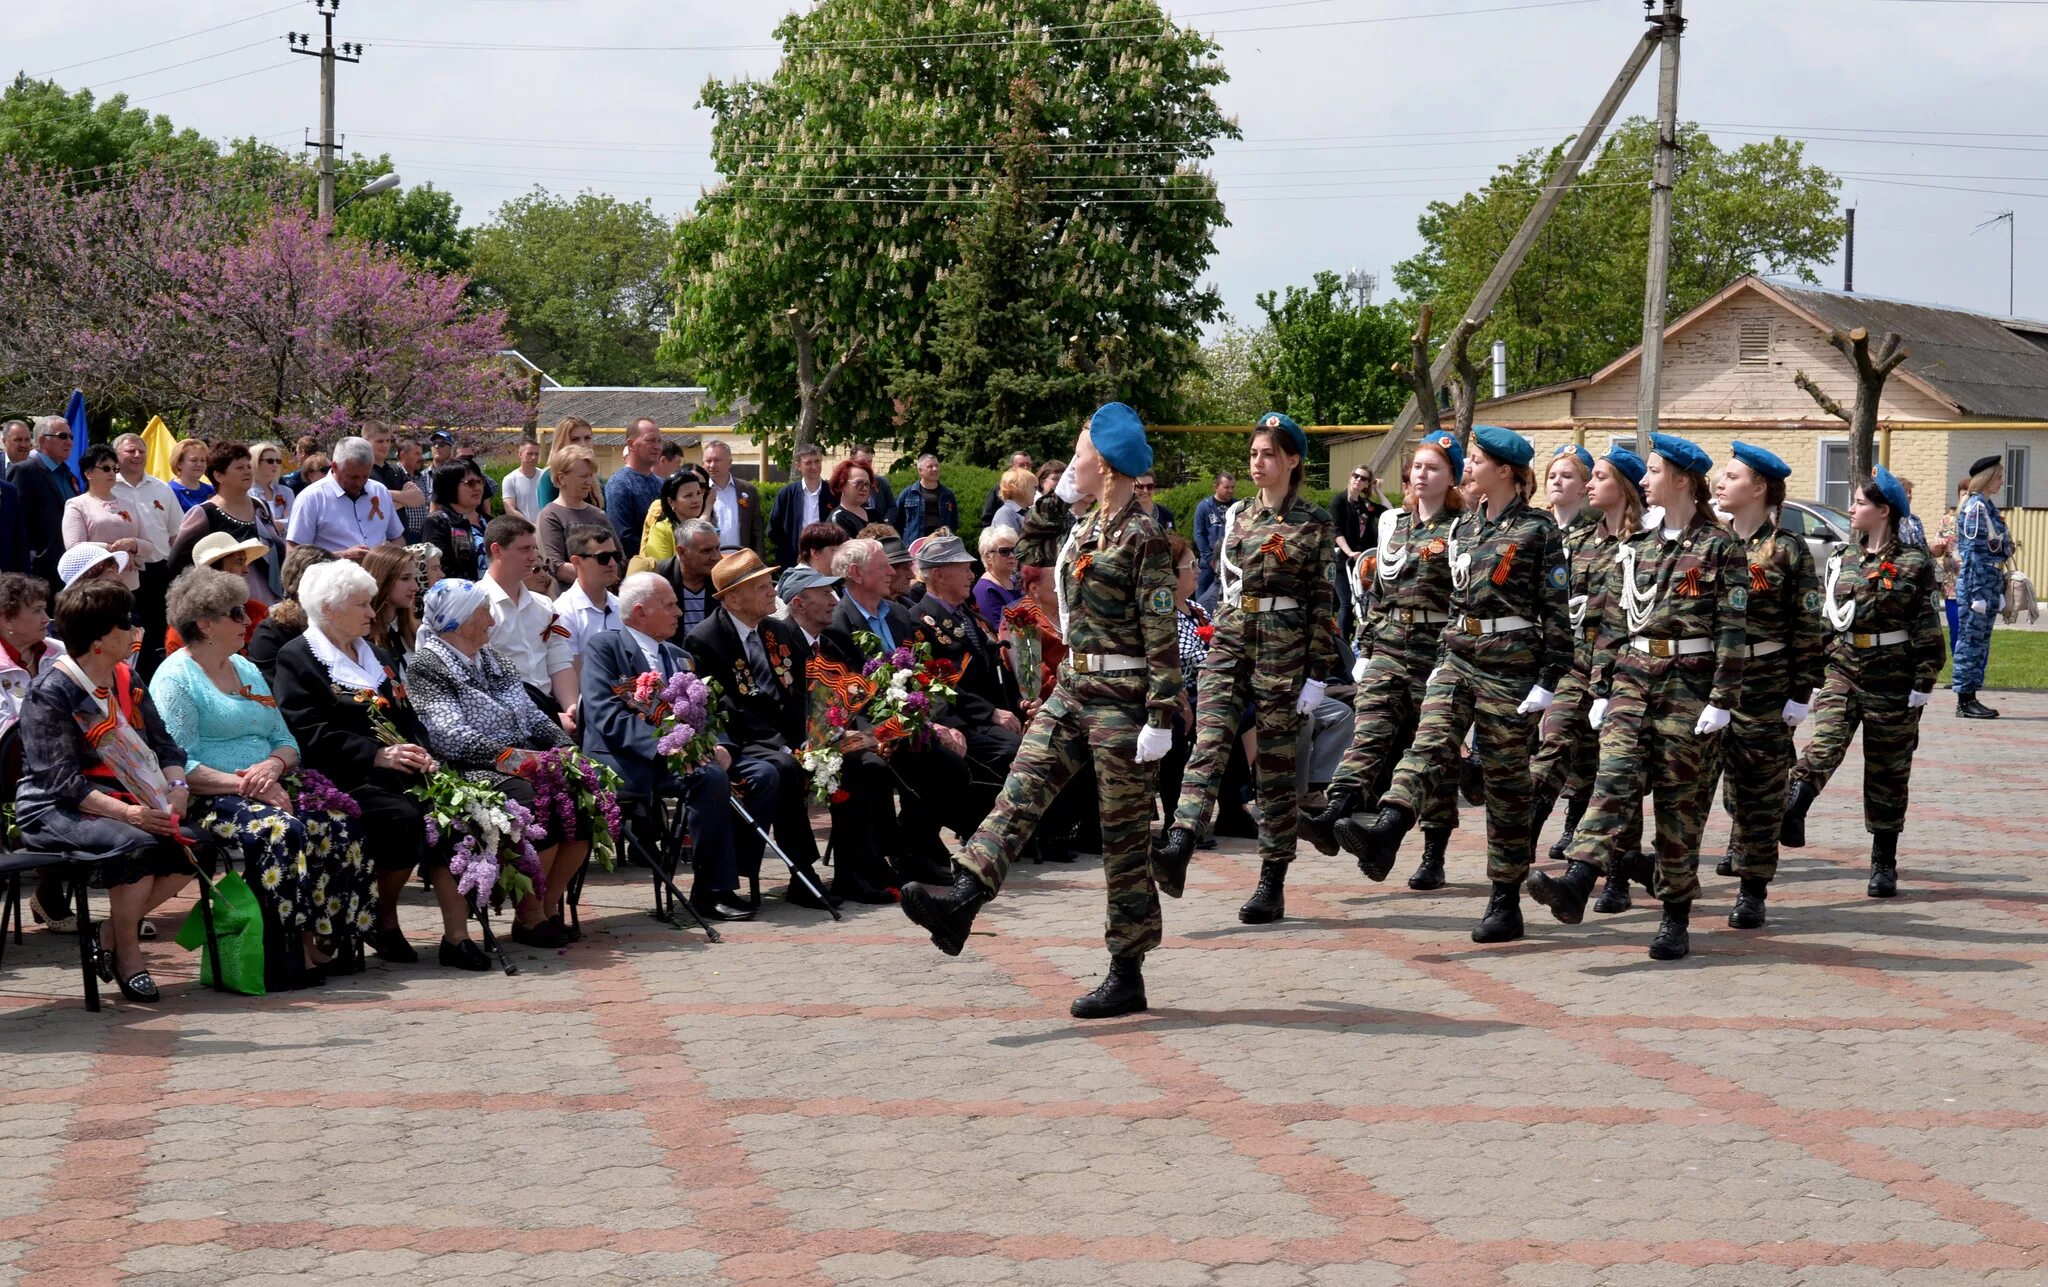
(737, 569)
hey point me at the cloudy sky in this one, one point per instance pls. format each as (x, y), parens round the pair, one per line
(1355, 112)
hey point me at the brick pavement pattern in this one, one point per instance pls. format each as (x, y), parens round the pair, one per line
(1857, 1095)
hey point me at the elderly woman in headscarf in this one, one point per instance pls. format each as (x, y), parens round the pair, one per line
(480, 720)
(333, 687)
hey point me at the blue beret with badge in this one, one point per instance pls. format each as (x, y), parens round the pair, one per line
(1894, 493)
(1447, 443)
(1503, 445)
(1289, 431)
(1686, 455)
(1585, 457)
(1119, 437)
(1767, 464)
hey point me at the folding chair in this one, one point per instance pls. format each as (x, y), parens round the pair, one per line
(14, 863)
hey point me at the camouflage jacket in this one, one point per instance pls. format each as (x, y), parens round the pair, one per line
(1870, 594)
(1784, 592)
(1283, 558)
(1692, 586)
(1591, 552)
(1116, 583)
(1511, 566)
(1408, 571)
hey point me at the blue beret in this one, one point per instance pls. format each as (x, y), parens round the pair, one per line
(1894, 493)
(1585, 457)
(1765, 463)
(1504, 445)
(1447, 443)
(1630, 465)
(1678, 451)
(1291, 431)
(1119, 437)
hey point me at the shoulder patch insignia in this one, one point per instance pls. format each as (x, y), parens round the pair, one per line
(1161, 602)
(1812, 601)
(1559, 578)
(1738, 599)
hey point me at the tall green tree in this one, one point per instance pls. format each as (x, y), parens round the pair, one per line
(582, 281)
(89, 141)
(1327, 361)
(803, 281)
(1577, 303)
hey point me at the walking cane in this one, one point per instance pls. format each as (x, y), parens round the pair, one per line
(663, 880)
(795, 872)
(480, 908)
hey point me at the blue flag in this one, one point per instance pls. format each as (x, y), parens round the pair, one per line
(74, 411)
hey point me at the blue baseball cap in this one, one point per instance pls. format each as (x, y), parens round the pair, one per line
(1119, 437)
(1447, 443)
(1291, 431)
(1504, 445)
(1585, 457)
(1894, 493)
(1686, 455)
(1766, 463)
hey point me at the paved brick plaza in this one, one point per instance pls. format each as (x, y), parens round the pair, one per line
(1360, 1096)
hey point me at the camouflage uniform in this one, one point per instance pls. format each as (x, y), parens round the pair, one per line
(1694, 586)
(1783, 663)
(1262, 653)
(1872, 597)
(1116, 582)
(1568, 749)
(1409, 573)
(1502, 570)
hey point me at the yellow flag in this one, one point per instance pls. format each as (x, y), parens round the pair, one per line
(157, 439)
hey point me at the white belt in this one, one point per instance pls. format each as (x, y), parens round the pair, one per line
(1276, 603)
(1420, 616)
(1095, 663)
(1491, 625)
(1889, 639)
(1670, 647)
(1766, 648)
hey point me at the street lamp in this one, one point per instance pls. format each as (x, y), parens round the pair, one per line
(382, 183)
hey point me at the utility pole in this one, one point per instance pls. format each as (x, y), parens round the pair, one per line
(2007, 218)
(1656, 288)
(1849, 255)
(329, 54)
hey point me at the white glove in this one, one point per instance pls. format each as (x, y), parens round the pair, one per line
(1153, 743)
(1712, 720)
(1358, 669)
(1539, 699)
(1979, 607)
(1916, 699)
(1598, 715)
(1311, 696)
(1068, 488)
(1434, 675)
(1795, 713)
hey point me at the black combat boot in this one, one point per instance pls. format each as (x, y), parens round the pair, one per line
(1726, 867)
(1268, 902)
(1749, 904)
(1122, 991)
(1968, 707)
(1574, 812)
(948, 913)
(1171, 854)
(1672, 941)
(1614, 893)
(1884, 864)
(1502, 922)
(1566, 895)
(1376, 843)
(1792, 831)
(1429, 874)
(1320, 826)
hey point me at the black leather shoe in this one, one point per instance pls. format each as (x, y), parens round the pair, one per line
(140, 987)
(1968, 707)
(801, 895)
(1614, 894)
(1122, 991)
(1502, 922)
(388, 942)
(1268, 902)
(540, 934)
(948, 913)
(1672, 941)
(1376, 843)
(1320, 826)
(1884, 865)
(851, 889)
(1565, 896)
(1792, 831)
(724, 907)
(569, 933)
(1171, 854)
(465, 955)
(1429, 873)
(1749, 904)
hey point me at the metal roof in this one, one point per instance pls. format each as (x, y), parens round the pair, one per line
(618, 407)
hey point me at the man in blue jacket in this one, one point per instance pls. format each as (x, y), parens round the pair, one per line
(927, 507)
(1209, 531)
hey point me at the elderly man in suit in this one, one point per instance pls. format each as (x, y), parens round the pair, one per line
(45, 482)
(615, 734)
(986, 707)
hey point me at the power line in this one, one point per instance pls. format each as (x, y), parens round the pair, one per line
(169, 41)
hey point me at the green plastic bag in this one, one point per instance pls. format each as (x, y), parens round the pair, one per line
(237, 926)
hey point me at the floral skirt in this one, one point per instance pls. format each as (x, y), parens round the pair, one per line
(311, 866)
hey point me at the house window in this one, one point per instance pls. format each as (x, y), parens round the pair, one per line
(1753, 343)
(2015, 479)
(1834, 473)
(1617, 443)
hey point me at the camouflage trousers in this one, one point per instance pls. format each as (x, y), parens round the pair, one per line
(1461, 696)
(1647, 744)
(1228, 683)
(1086, 718)
(1755, 768)
(1389, 706)
(1891, 733)
(1568, 747)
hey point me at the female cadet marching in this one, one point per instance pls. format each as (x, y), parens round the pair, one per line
(1500, 660)
(1276, 628)
(1113, 703)
(1569, 754)
(1563, 738)
(1411, 600)
(1882, 610)
(1780, 671)
(1982, 546)
(1667, 675)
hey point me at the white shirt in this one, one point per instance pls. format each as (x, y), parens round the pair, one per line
(529, 633)
(586, 620)
(811, 498)
(725, 509)
(650, 648)
(522, 492)
(155, 507)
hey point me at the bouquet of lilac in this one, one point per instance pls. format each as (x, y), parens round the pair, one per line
(493, 833)
(567, 785)
(685, 710)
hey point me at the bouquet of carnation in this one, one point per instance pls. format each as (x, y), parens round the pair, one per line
(568, 785)
(493, 834)
(684, 710)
